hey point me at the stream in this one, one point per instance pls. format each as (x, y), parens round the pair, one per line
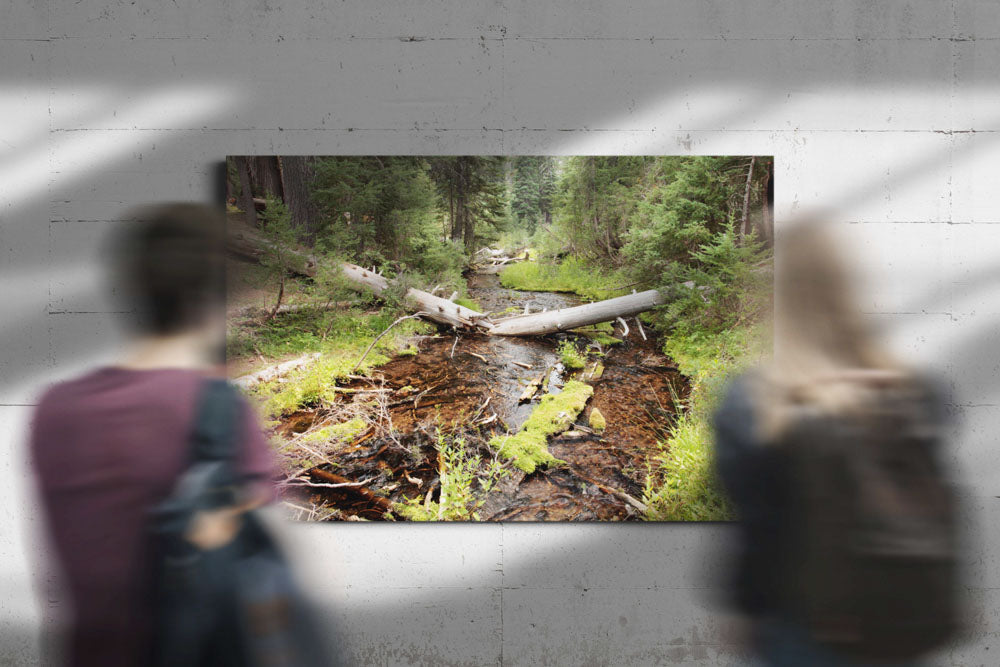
(473, 383)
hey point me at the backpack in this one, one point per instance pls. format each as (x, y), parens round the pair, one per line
(872, 572)
(238, 604)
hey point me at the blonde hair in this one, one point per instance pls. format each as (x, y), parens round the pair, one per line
(826, 358)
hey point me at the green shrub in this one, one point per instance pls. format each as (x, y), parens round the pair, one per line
(570, 356)
(465, 483)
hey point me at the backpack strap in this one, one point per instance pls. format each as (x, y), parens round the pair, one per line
(214, 441)
(214, 434)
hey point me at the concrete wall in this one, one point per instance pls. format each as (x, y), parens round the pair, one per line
(886, 112)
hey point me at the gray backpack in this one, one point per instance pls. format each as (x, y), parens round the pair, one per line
(873, 566)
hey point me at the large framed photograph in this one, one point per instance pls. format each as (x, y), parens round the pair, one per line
(496, 338)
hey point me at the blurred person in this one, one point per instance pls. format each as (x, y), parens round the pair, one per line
(847, 544)
(110, 447)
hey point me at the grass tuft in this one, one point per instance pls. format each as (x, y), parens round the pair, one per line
(570, 356)
(681, 484)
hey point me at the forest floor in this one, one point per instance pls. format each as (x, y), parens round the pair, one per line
(419, 431)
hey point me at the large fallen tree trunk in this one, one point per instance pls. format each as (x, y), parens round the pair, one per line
(251, 380)
(578, 316)
(252, 246)
(446, 312)
(434, 307)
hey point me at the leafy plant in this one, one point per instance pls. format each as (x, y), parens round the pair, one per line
(570, 356)
(464, 484)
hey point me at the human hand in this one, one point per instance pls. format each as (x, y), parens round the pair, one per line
(211, 529)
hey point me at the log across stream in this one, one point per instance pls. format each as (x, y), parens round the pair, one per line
(474, 382)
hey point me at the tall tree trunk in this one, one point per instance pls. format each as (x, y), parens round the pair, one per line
(458, 224)
(451, 209)
(767, 226)
(470, 231)
(246, 194)
(468, 221)
(230, 192)
(296, 177)
(267, 176)
(745, 227)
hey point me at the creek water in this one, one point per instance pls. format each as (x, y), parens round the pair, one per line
(473, 383)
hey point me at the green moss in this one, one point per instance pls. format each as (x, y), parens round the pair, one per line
(348, 338)
(528, 448)
(414, 510)
(348, 430)
(600, 333)
(343, 432)
(570, 356)
(594, 371)
(409, 351)
(597, 421)
(571, 275)
(468, 303)
(604, 339)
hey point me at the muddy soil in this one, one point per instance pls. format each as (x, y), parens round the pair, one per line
(472, 383)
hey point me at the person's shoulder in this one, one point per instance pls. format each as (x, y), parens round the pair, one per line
(59, 392)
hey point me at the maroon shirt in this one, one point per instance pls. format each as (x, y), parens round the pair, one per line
(106, 448)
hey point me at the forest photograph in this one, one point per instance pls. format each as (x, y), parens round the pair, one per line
(496, 338)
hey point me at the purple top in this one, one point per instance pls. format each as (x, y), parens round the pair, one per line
(106, 448)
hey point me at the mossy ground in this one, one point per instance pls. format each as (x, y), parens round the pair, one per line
(468, 303)
(341, 336)
(571, 275)
(342, 432)
(600, 333)
(528, 448)
(597, 420)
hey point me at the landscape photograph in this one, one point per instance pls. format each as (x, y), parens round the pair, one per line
(496, 338)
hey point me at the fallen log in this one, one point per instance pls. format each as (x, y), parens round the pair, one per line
(434, 307)
(532, 388)
(578, 316)
(251, 380)
(349, 485)
(252, 246)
